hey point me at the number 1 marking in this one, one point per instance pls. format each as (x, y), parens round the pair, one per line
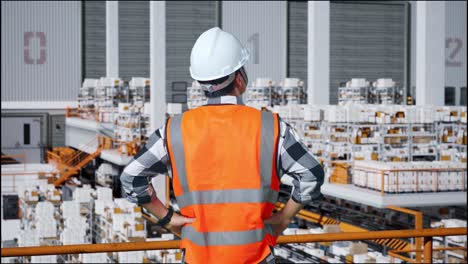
(254, 39)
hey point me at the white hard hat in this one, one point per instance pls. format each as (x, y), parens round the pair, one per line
(216, 54)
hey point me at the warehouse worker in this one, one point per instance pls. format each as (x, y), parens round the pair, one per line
(226, 161)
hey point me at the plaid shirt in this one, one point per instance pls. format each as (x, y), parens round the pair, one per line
(296, 165)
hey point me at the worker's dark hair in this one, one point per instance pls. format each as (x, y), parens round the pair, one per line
(226, 90)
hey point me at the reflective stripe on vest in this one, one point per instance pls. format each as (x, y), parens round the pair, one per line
(225, 237)
(265, 194)
(228, 196)
(177, 145)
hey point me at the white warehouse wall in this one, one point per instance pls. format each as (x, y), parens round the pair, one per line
(28, 82)
(455, 45)
(261, 27)
(41, 56)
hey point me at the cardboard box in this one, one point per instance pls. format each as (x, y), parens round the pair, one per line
(358, 248)
(331, 229)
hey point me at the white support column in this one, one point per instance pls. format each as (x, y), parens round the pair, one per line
(158, 78)
(158, 63)
(318, 56)
(112, 39)
(430, 52)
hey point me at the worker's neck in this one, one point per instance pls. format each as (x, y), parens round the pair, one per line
(236, 92)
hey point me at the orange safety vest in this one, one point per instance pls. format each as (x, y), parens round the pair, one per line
(223, 160)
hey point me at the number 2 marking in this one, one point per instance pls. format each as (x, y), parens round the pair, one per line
(450, 61)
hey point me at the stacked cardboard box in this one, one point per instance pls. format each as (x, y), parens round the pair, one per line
(401, 177)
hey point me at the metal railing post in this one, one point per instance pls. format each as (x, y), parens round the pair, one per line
(418, 226)
(427, 249)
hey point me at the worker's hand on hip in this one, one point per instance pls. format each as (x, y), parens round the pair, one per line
(278, 222)
(176, 223)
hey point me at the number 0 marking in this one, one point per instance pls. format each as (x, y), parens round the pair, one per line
(28, 36)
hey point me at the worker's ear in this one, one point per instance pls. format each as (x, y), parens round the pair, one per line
(239, 81)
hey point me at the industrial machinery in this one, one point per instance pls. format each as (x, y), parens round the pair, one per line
(356, 91)
(86, 98)
(360, 91)
(261, 93)
(387, 92)
(312, 131)
(292, 91)
(127, 131)
(139, 91)
(109, 94)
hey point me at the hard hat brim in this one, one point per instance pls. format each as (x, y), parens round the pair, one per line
(245, 58)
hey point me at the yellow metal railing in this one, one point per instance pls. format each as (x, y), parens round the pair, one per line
(418, 220)
(427, 234)
(53, 158)
(394, 253)
(78, 155)
(346, 227)
(72, 164)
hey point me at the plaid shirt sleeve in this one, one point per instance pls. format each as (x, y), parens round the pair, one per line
(150, 161)
(298, 167)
